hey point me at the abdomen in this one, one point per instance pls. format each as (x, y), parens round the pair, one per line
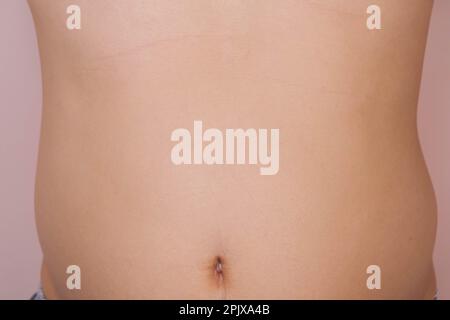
(351, 190)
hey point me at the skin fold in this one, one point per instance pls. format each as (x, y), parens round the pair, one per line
(352, 188)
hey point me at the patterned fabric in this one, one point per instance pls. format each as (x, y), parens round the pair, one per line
(39, 295)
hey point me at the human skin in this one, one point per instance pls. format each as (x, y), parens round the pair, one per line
(352, 188)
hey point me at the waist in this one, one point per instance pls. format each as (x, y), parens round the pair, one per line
(140, 226)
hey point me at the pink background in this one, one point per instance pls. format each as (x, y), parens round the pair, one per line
(20, 107)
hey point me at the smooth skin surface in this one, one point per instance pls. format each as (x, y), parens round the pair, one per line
(352, 189)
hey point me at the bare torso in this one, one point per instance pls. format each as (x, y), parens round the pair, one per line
(352, 188)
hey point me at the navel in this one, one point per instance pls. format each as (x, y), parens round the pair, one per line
(218, 269)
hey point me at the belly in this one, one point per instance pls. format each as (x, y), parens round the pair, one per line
(351, 189)
(110, 200)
